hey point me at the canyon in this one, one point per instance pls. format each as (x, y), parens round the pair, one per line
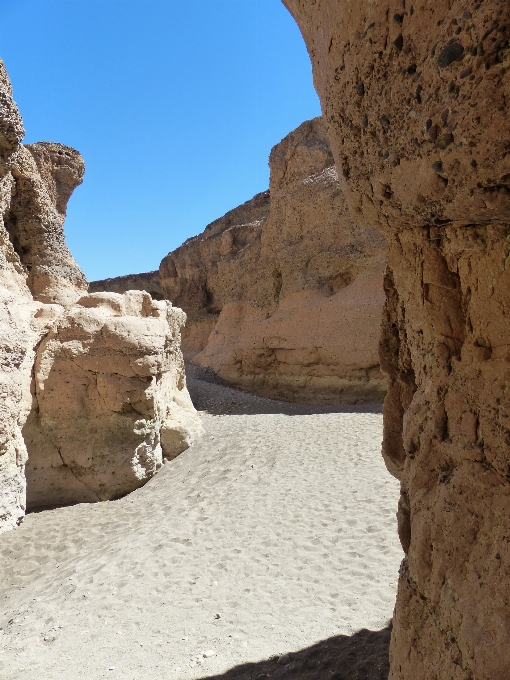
(395, 203)
(283, 294)
(415, 99)
(93, 397)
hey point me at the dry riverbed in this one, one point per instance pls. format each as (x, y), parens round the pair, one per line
(260, 552)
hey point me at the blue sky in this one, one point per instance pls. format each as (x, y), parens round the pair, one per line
(174, 104)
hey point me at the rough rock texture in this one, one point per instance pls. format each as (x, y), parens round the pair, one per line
(148, 281)
(110, 399)
(16, 336)
(94, 430)
(45, 176)
(416, 99)
(284, 294)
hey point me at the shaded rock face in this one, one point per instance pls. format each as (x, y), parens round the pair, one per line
(415, 100)
(284, 293)
(148, 281)
(93, 388)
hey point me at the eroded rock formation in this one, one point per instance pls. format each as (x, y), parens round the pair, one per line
(92, 386)
(284, 293)
(416, 101)
(109, 401)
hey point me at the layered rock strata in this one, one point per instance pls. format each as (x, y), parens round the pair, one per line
(92, 390)
(415, 97)
(284, 294)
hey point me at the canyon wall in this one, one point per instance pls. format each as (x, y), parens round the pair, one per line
(416, 101)
(284, 294)
(148, 281)
(92, 389)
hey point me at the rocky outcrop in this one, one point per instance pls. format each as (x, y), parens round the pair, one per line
(17, 339)
(45, 176)
(148, 281)
(92, 387)
(284, 294)
(109, 400)
(415, 98)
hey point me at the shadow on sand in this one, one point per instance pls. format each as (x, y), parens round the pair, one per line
(214, 395)
(362, 656)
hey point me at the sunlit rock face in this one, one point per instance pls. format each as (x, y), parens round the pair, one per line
(415, 99)
(17, 339)
(94, 427)
(110, 401)
(284, 294)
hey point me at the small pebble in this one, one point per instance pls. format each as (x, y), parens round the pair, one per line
(209, 653)
(283, 659)
(217, 616)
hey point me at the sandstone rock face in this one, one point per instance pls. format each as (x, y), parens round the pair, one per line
(284, 294)
(92, 386)
(110, 399)
(45, 176)
(148, 281)
(416, 103)
(16, 337)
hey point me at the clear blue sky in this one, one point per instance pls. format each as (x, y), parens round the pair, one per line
(174, 104)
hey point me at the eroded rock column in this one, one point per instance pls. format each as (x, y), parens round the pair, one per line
(16, 336)
(416, 102)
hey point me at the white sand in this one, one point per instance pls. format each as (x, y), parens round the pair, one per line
(275, 531)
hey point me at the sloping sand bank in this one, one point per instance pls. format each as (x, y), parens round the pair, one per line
(274, 532)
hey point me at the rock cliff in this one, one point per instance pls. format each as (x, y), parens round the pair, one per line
(148, 281)
(284, 294)
(416, 102)
(92, 389)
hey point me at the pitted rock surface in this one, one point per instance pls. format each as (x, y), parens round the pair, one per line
(415, 98)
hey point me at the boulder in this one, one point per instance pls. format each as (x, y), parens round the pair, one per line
(415, 98)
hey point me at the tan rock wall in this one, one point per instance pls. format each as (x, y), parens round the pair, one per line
(284, 294)
(16, 337)
(148, 281)
(415, 99)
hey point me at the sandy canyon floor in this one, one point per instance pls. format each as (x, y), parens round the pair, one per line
(261, 552)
